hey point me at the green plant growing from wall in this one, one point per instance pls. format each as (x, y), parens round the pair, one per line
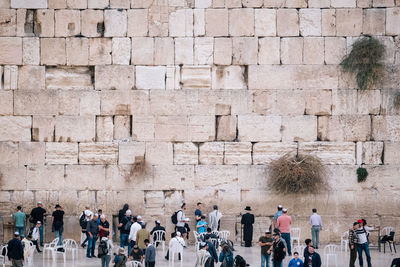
(362, 174)
(297, 174)
(364, 61)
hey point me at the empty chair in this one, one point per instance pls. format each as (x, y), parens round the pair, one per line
(387, 236)
(50, 246)
(133, 264)
(59, 249)
(70, 245)
(224, 234)
(29, 249)
(3, 254)
(344, 241)
(174, 250)
(159, 237)
(295, 236)
(331, 251)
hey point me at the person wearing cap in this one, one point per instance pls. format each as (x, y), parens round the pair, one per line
(353, 240)
(57, 222)
(136, 254)
(135, 227)
(19, 218)
(37, 214)
(277, 215)
(35, 235)
(15, 251)
(125, 227)
(150, 254)
(120, 259)
(176, 240)
(362, 243)
(283, 223)
(265, 242)
(214, 219)
(105, 259)
(247, 221)
(197, 212)
(93, 232)
(141, 236)
(279, 250)
(316, 227)
(203, 257)
(158, 227)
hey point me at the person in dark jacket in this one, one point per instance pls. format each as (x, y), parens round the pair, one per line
(211, 249)
(279, 250)
(158, 227)
(57, 222)
(314, 260)
(247, 221)
(308, 244)
(121, 213)
(150, 254)
(38, 215)
(93, 231)
(16, 251)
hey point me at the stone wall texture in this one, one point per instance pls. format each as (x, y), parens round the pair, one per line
(206, 93)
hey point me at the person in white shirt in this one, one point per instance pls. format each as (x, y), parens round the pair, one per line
(316, 227)
(214, 218)
(35, 235)
(136, 226)
(180, 226)
(362, 244)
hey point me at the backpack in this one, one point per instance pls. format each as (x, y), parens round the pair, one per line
(122, 261)
(102, 250)
(228, 243)
(174, 217)
(82, 221)
(127, 227)
(239, 261)
(395, 263)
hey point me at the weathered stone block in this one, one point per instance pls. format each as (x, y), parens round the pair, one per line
(31, 153)
(10, 77)
(77, 4)
(229, 77)
(115, 23)
(289, 3)
(137, 22)
(11, 50)
(313, 50)
(58, 4)
(205, 176)
(372, 153)
(35, 102)
(310, 22)
(52, 51)
(172, 75)
(120, 3)
(104, 128)
(67, 22)
(122, 127)
(181, 23)
(124, 102)
(29, 4)
(345, 128)
(385, 128)
(77, 51)
(201, 128)
(195, 77)
(269, 50)
(31, 77)
(392, 21)
(226, 128)
(9, 182)
(45, 22)
(349, 22)
(45, 178)
(163, 51)
(199, 22)
(259, 128)
(6, 102)
(287, 22)
(318, 102)
(75, 129)
(100, 51)
(237, 153)
(241, 22)
(211, 153)
(159, 153)
(335, 49)
(245, 50)
(8, 22)
(84, 177)
(186, 153)
(328, 21)
(203, 50)
(100, 4)
(216, 22)
(183, 50)
(92, 23)
(299, 129)
(392, 153)
(369, 102)
(222, 51)
(292, 50)
(150, 77)
(171, 128)
(374, 21)
(265, 22)
(265, 153)
(387, 107)
(128, 152)
(61, 153)
(43, 128)
(9, 153)
(344, 102)
(121, 51)
(319, 3)
(98, 153)
(114, 77)
(364, 3)
(31, 51)
(67, 78)
(15, 128)
(330, 152)
(143, 128)
(142, 50)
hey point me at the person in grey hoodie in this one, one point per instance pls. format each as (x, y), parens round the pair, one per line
(93, 231)
(150, 256)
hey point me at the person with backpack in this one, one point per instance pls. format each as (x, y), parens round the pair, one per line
(279, 250)
(83, 220)
(122, 212)
(104, 251)
(179, 219)
(226, 257)
(120, 259)
(125, 228)
(362, 243)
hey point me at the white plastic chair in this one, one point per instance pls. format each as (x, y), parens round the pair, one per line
(299, 249)
(29, 249)
(224, 234)
(70, 245)
(215, 242)
(331, 251)
(215, 233)
(50, 246)
(386, 230)
(344, 241)
(175, 249)
(197, 240)
(3, 259)
(295, 236)
(158, 238)
(59, 250)
(133, 264)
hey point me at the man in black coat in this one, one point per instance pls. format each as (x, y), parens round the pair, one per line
(37, 215)
(16, 251)
(158, 227)
(313, 259)
(247, 221)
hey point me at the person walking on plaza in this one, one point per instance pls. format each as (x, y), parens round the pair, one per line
(125, 228)
(265, 242)
(214, 219)
(181, 220)
(316, 227)
(37, 214)
(106, 258)
(198, 213)
(19, 218)
(35, 235)
(353, 240)
(296, 261)
(362, 243)
(141, 236)
(247, 221)
(283, 224)
(57, 222)
(150, 254)
(93, 232)
(314, 259)
(279, 250)
(276, 216)
(16, 251)
(83, 223)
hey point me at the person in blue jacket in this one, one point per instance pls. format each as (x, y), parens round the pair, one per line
(296, 262)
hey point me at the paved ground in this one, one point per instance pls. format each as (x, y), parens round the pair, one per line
(250, 254)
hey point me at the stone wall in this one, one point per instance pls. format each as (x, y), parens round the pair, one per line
(152, 102)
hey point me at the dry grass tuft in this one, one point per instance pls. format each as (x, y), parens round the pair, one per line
(138, 168)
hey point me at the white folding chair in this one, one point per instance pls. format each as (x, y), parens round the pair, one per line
(175, 249)
(224, 234)
(386, 230)
(197, 240)
(3, 259)
(60, 250)
(133, 264)
(344, 241)
(50, 246)
(158, 237)
(215, 233)
(295, 236)
(70, 245)
(331, 251)
(299, 249)
(29, 249)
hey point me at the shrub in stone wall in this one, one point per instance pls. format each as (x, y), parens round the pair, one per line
(362, 174)
(297, 174)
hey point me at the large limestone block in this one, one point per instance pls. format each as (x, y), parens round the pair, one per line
(201, 128)
(163, 51)
(92, 22)
(252, 3)
(150, 77)
(313, 50)
(392, 153)
(52, 51)
(387, 107)
(226, 128)
(8, 22)
(142, 50)
(45, 178)
(10, 77)
(76, 4)
(31, 77)
(29, 4)
(159, 153)
(6, 102)
(100, 51)
(67, 22)
(299, 128)
(344, 128)
(128, 152)
(121, 51)
(265, 153)
(184, 50)
(331, 152)
(124, 102)
(61, 153)
(186, 153)
(328, 21)
(11, 50)
(84, 177)
(9, 173)
(216, 22)
(203, 50)
(343, 3)
(372, 153)
(77, 51)
(170, 103)
(287, 22)
(237, 153)
(230, 77)
(122, 127)
(374, 21)
(222, 51)
(292, 50)
(120, 3)
(137, 22)
(143, 128)
(344, 102)
(15, 128)
(43, 128)
(115, 23)
(44, 26)
(310, 22)
(199, 22)
(205, 176)
(172, 75)
(35, 102)
(318, 102)
(31, 153)
(98, 153)
(104, 128)
(385, 128)
(269, 49)
(114, 77)
(57, 4)
(335, 49)
(75, 129)
(181, 23)
(265, 22)
(211, 153)
(245, 50)
(392, 20)
(196, 77)
(172, 178)
(31, 51)
(349, 22)
(259, 128)
(67, 78)
(8, 153)
(171, 128)
(241, 22)
(369, 102)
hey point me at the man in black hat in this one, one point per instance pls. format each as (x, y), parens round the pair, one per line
(247, 221)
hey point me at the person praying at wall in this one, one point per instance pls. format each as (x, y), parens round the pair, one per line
(247, 221)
